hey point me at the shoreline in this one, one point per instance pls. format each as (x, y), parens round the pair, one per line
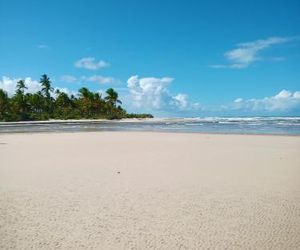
(73, 121)
(154, 119)
(149, 131)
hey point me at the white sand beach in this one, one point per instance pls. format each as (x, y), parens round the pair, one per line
(145, 190)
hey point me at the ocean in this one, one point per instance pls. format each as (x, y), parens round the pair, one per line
(224, 125)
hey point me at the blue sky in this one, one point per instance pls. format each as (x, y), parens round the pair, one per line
(170, 58)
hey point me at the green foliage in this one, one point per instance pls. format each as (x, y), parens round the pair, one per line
(43, 106)
(4, 106)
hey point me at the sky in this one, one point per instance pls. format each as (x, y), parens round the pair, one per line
(169, 58)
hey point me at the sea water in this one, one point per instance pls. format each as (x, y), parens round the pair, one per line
(227, 125)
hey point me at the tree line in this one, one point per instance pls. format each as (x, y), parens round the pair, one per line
(43, 106)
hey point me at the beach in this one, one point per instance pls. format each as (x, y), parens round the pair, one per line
(149, 190)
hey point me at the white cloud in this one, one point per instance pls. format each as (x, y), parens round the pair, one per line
(296, 94)
(284, 101)
(68, 78)
(247, 53)
(238, 100)
(90, 63)
(101, 79)
(9, 85)
(181, 101)
(152, 93)
(283, 94)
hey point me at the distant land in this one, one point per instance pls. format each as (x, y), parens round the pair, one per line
(55, 104)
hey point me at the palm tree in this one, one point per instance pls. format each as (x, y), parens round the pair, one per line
(46, 86)
(46, 91)
(57, 92)
(111, 104)
(19, 100)
(20, 87)
(84, 93)
(112, 97)
(85, 101)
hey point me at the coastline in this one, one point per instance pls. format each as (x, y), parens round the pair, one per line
(73, 121)
(149, 132)
(154, 119)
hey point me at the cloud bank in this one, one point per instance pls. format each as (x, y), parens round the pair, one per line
(284, 101)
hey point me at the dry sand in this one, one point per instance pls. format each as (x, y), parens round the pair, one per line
(174, 191)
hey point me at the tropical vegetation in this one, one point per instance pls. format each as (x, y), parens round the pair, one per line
(49, 104)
